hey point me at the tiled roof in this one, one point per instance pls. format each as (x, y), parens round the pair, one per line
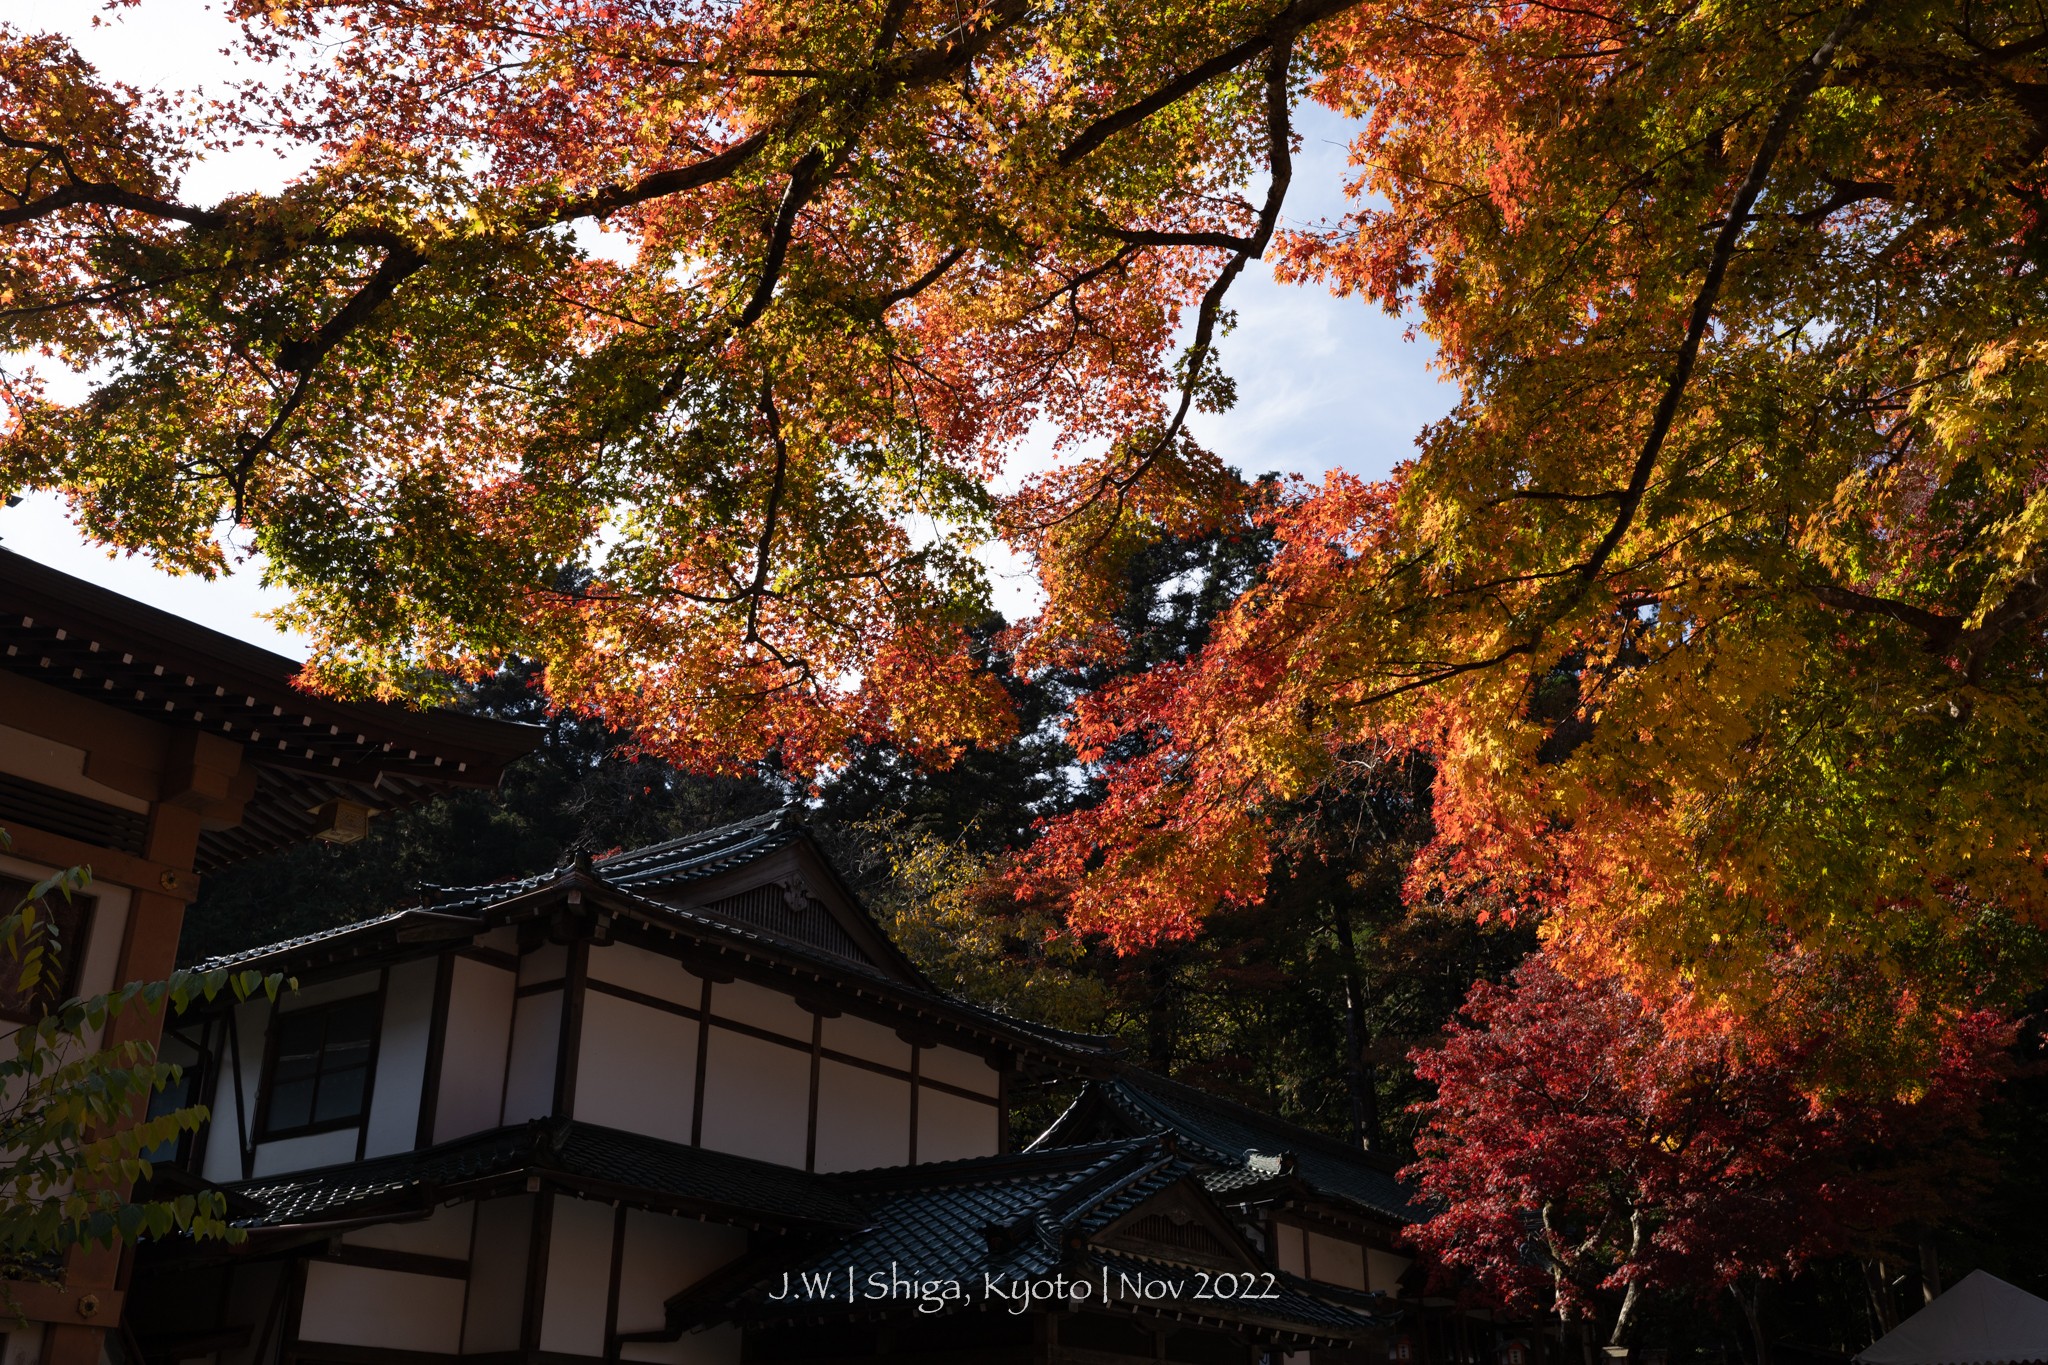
(1020, 1218)
(560, 1150)
(1238, 1142)
(292, 945)
(692, 857)
(697, 856)
(637, 876)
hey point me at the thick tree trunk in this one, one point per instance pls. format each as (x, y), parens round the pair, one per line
(1880, 1296)
(1751, 1299)
(1930, 1271)
(1631, 1301)
(1162, 1013)
(1359, 1077)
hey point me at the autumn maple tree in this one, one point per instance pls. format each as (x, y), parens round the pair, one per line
(1585, 1155)
(1717, 601)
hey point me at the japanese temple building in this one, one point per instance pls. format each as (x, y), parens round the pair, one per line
(688, 1104)
(685, 1103)
(152, 751)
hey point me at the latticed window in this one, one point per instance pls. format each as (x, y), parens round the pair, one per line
(320, 1066)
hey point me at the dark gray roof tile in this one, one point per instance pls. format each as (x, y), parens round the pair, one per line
(572, 1153)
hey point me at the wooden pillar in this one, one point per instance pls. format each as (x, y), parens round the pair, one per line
(200, 774)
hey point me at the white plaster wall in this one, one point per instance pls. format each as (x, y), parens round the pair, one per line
(1383, 1270)
(497, 1274)
(353, 1305)
(954, 1067)
(757, 1097)
(401, 1058)
(325, 992)
(579, 1277)
(664, 1256)
(305, 1153)
(503, 939)
(637, 1068)
(104, 933)
(868, 1040)
(23, 1344)
(444, 1232)
(763, 1008)
(1287, 1248)
(530, 1070)
(473, 1049)
(713, 1346)
(863, 1118)
(1336, 1262)
(549, 962)
(950, 1127)
(637, 969)
(222, 1160)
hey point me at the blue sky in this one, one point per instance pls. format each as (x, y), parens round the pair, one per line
(1322, 382)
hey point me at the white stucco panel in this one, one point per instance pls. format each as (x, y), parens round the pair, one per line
(530, 1070)
(305, 1153)
(863, 1118)
(479, 1028)
(444, 1232)
(637, 1068)
(497, 1274)
(757, 1097)
(763, 1008)
(222, 1162)
(401, 1059)
(1287, 1247)
(326, 992)
(1383, 1270)
(714, 1346)
(1334, 1261)
(954, 1067)
(649, 973)
(579, 1277)
(949, 1127)
(867, 1040)
(352, 1305)
(663, 1257)
(548, 962)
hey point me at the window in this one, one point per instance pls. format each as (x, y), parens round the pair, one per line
(69, 917)
(189, 1055)
(320, 1067)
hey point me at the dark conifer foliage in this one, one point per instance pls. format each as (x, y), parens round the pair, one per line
(581, 790)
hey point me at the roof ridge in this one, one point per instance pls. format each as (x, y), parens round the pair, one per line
(1323, 1142)
(765, 820)
(306, 940)
(1084, 1157)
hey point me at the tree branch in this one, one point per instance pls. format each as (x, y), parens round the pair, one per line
(1804, 83)
(1941, 631)
(400, 262)
(604, 202)
(1145, 237)
(83, 193)
(1280, 174)
(923, 282)
(804, 179)
(1282, 26)
(763, 553)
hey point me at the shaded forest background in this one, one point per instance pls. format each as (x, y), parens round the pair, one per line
(1305, 1006)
